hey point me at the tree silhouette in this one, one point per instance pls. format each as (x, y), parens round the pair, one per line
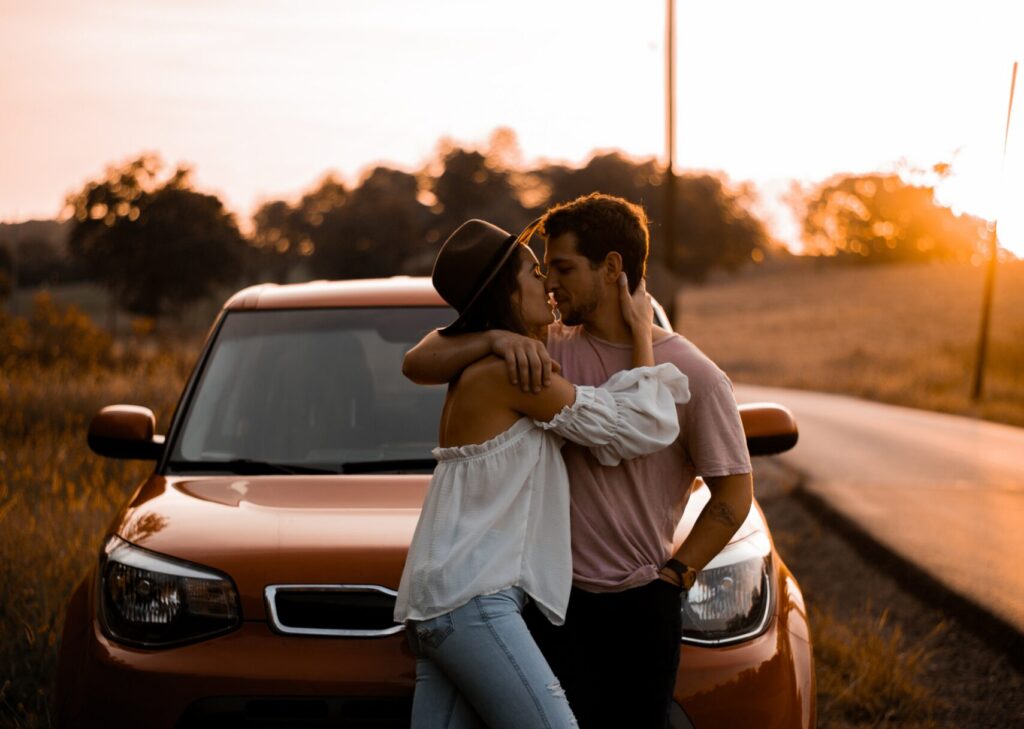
(5, 271)
(471, 186)
(280, 241)
(714, 224)
(877, 218)
(611, 173)
(373, 229)
(157, 245)
(462, 183)
(714, 227)
(39, 261)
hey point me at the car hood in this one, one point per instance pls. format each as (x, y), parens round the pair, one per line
(271, 530)
(275, 530)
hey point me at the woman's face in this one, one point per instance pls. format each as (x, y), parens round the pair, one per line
(534, 304)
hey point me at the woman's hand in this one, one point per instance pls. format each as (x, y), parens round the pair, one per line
(527, 360)
(638, 313)
(637, 309)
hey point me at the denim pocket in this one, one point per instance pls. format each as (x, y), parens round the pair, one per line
(433, 632)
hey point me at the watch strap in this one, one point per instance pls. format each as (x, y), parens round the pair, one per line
(687, 575)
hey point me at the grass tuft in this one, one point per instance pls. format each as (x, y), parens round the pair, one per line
(866, 673)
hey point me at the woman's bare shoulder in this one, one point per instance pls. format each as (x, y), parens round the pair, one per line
(487, 372)
(487, 382)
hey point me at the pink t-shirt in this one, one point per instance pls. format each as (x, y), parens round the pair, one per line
(624, 517)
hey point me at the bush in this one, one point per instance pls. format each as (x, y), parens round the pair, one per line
(52, 335)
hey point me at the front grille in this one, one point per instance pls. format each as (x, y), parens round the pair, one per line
(358, 611)
(295, 712)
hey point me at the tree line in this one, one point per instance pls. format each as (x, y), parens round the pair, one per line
(144, 231)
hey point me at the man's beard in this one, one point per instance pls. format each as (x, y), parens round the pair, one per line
(579, 314)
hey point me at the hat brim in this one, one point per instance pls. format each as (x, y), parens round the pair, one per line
(500, 259)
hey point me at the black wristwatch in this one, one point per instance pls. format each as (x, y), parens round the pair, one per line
(687, 574)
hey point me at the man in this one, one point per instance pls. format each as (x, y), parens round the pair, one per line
(617, 654)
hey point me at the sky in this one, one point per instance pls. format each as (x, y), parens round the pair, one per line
(264, 97)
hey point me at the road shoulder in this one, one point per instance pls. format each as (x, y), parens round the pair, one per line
(857, 592)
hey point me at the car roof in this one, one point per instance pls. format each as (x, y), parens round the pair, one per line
(394, 291)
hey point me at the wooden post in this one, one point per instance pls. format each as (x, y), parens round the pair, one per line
(990, 272)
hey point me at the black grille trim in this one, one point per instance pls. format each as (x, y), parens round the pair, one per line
(293, 712)
(350, 611)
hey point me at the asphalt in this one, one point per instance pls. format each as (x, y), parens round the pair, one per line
(941, 493)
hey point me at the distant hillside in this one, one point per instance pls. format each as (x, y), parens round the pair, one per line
(904, 334)
(42, 252)
(51, 231)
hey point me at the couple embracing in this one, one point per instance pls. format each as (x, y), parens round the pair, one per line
(542, 586)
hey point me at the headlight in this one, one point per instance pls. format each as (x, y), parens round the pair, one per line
(731, 600)
(150, 600)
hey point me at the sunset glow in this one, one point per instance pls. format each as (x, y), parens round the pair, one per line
(263, 98)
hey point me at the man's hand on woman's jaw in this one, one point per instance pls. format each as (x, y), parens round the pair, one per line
(527, 359)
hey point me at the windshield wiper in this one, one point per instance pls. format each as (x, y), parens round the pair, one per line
(396, 465)
(249, 467)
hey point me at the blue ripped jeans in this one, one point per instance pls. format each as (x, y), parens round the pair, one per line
(479, 666)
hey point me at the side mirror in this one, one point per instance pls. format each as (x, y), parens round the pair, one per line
(125, 431)
(770, 428)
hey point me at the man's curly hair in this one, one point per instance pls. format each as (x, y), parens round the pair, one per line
(602, 224)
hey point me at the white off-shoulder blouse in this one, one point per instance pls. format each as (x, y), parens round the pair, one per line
(496, 513)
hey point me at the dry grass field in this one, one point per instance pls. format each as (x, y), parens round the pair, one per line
(56, 496)
(902, 334)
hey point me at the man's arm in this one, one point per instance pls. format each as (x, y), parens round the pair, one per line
(730, 501)
(437, 360)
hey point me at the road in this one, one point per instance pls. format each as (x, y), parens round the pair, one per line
(942, 491)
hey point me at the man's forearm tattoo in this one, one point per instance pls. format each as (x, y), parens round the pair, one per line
(722, 513)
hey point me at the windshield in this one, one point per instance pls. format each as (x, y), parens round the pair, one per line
(312, 391)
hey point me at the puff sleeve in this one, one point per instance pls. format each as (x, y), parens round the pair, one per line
(632, 414)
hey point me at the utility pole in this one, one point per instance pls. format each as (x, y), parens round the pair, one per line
(670, 137)
(990, 273)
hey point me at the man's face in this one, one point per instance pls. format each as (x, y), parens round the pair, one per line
(572, 280)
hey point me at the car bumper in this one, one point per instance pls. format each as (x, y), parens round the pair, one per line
(254, 677)
(249, 677)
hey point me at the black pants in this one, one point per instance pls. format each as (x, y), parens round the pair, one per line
(617, 654)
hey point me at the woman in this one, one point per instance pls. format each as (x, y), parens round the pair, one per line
(494, 530)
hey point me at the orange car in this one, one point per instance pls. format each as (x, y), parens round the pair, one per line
(250, 580)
